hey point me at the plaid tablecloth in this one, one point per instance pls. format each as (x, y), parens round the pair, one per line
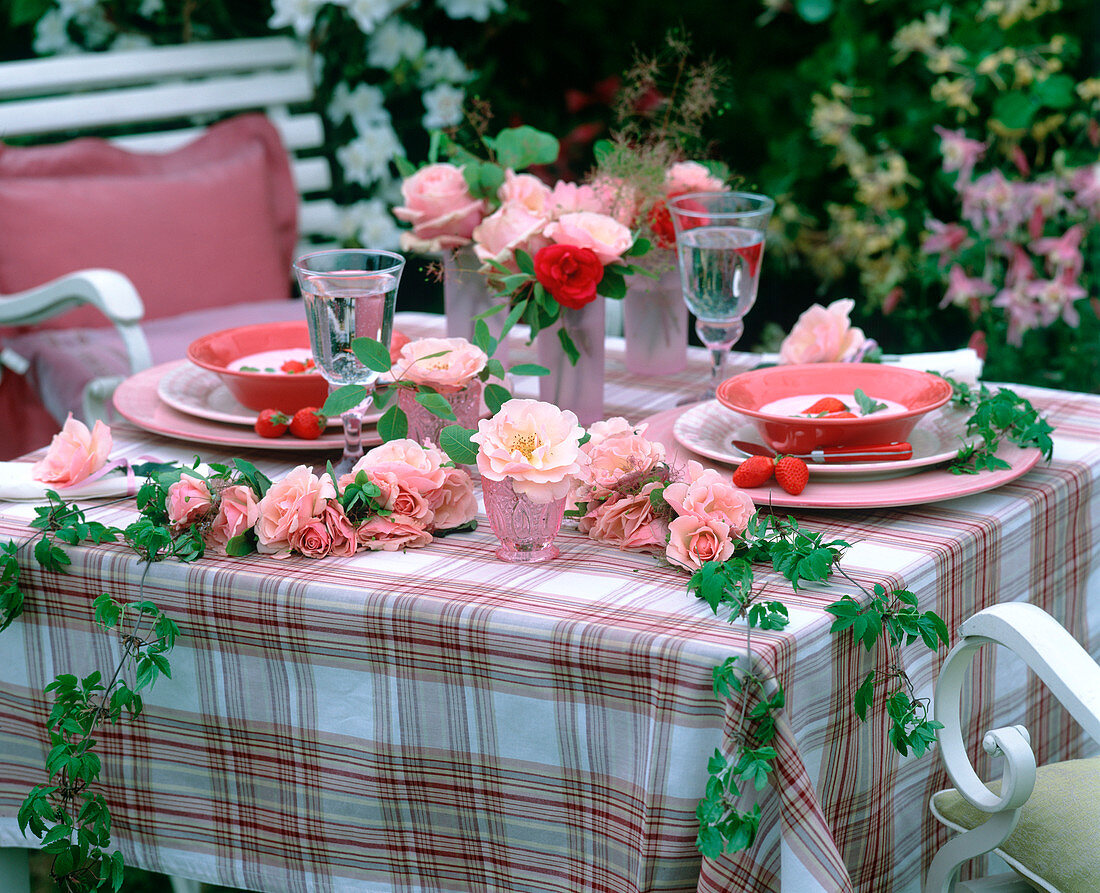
(437, 720)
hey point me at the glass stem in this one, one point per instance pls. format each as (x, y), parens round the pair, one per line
(353, 436)
(717, 367)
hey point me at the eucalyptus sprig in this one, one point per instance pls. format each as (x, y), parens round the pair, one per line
(997, 415)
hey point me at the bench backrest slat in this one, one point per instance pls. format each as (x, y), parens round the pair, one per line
(156, 92)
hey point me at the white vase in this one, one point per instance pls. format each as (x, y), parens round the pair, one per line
(465, 295)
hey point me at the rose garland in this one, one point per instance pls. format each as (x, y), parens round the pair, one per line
(398, 495)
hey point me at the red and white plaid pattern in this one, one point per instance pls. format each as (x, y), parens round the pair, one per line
(437, 720)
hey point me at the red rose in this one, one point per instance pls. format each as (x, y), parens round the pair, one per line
(660, 223)
(569, 273)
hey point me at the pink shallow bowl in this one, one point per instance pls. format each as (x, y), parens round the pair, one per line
(918, 392)
(260, 390)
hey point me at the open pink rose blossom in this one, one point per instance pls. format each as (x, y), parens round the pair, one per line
(511, 226)
(823, 335)
(626, 521)
(535, 444)
(615, 447)
(691, 176)
(711, 494)
(238, 511)
(604, 235)
(693, 541)
(446, 364)
(440, 207)
(415, 467)
(187, 500)
(289, 504)
(74, 454)
(454, 503)
(389, 533)
(342, 534)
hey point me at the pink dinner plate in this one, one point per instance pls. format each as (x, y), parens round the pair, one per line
(709, 429)
(930, 485)
(137, 400)
(196, 391)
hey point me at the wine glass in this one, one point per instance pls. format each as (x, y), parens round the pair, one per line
(720, 243)
(348, 293)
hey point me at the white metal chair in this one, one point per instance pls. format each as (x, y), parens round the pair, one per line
(1073, 677)
(156, 95)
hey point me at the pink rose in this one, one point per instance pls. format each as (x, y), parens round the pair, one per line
(74, 454)
(690, 176)
(526, 190)
(238, 512)
(454, 504)
(415, 467)
(823, 335)
(710, 494)
(608, 238)
(392, 532)
(311, 539)
(533, 443)
(342, 534)
(288, 504)
(692, 541)
(188, 499)
(628, 522)
(620, 199)
(510, 227)
(615, 448)
(440, 207)
(446, 364)
(568, 198)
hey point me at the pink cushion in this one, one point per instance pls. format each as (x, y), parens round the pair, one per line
(63, 362)
(210, 224)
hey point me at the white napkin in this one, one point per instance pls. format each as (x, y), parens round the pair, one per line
(18, 484)
(963, 365)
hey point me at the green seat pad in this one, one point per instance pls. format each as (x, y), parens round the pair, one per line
(1056, 845)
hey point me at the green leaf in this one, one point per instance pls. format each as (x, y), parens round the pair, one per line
(393, 425)
(1059, 91)
(495, 397)
(455, 441)
(344, 398)
(814, 11)
(514, 316)
(569, 347)
(529, 369)
(482, 338)
(864, 696)
(436, 404)
(524, 262)
(521, 147)
(27, 12)
(1014, 110)
(240, 545)
(372, 353)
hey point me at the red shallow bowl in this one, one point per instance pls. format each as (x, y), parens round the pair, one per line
(917, 392)
(260, 390)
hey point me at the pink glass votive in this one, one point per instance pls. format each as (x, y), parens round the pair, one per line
(426, 425)
(526, 529)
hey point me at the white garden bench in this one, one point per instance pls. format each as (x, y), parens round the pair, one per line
(155, 100)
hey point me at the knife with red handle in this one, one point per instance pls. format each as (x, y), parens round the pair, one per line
(886, 452)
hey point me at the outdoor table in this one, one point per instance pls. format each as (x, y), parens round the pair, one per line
(438, 720)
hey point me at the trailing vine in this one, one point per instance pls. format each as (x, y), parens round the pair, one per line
(800, 556)
(70, 818)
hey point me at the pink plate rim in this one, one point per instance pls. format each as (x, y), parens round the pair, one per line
(931, 485)
(137, 400)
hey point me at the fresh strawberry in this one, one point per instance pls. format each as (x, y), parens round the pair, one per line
(308, 423)
(293, 366)
(271, 423)
(753, 472)
(826, 404)
(791, 474)
(839, 415)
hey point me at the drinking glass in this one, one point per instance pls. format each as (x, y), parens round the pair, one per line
(720, 243)
(348, 294)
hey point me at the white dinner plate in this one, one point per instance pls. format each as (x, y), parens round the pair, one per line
(709, 429)
(199, 392)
